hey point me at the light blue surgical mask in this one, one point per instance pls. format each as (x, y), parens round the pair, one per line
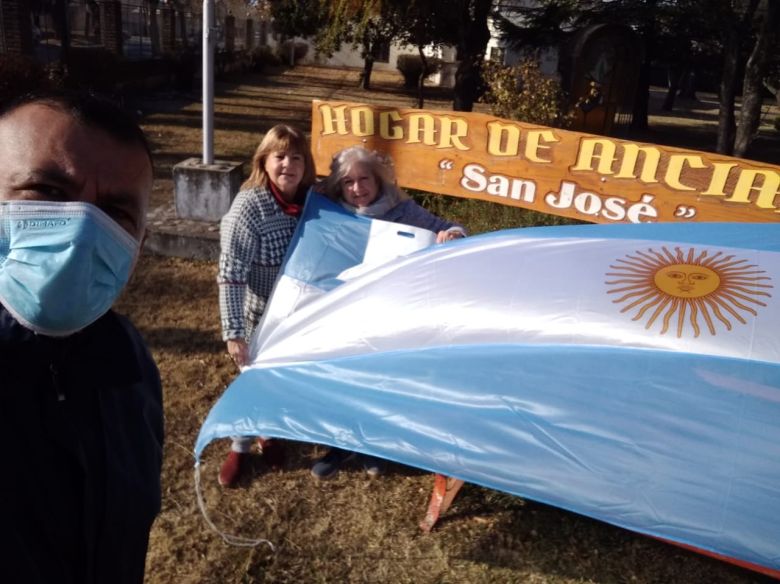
(62, 265)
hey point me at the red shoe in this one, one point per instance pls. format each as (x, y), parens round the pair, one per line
(231, 469)
(273, 452)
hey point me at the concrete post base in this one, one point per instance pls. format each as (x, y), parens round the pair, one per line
(204, 191)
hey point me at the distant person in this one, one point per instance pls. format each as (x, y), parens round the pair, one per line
(254, 237)
(364, 183)
(81, 421)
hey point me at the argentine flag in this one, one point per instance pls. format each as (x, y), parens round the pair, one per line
(630, 373)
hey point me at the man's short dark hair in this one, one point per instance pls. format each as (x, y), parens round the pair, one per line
(91, 109)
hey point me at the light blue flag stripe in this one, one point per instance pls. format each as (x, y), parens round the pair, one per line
(675, 446)
(328, 241)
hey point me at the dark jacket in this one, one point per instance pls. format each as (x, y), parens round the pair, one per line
(409, 212)
(81, 432)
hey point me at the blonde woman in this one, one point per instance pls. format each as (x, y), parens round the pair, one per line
(254, 236)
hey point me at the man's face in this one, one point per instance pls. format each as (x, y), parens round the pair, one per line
(49, 156)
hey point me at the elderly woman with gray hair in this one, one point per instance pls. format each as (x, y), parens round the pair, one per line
(363, 182)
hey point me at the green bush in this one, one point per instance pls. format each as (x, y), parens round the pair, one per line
(411, 67)
(20, 74)
(523, 93)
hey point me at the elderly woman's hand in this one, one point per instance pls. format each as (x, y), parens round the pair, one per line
(448, 235)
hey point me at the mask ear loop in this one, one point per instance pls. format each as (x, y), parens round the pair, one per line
(234, 540)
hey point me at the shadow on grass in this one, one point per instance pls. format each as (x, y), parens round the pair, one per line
(182, 340)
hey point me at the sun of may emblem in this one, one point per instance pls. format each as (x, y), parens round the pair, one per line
(672, 288)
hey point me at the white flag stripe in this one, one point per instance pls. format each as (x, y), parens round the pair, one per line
(541, 291)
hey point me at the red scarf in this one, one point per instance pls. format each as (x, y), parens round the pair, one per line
(293, 209)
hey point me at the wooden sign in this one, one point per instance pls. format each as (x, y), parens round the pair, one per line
(587, 177)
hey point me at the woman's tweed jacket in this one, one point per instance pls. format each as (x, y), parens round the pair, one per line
(254, 236)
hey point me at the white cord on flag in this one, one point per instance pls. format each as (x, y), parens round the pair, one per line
(234, 540)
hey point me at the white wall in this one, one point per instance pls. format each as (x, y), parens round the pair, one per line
(548, 56)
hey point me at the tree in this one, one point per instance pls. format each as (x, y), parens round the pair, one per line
(675, 34)
(756, 71)
(368, 24)
(297, 18)
(738, 16)
(424, 23)
(473, 37)
(373, 35)
(686, 56)
(723, 37)
(772, 82)
(647, 29)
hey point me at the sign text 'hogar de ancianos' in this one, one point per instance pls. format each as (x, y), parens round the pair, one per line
(583, 176)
